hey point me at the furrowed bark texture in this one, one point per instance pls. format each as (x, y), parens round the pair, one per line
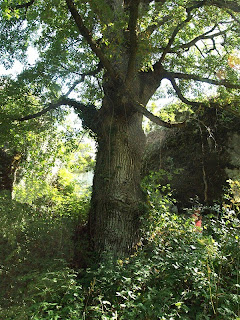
(116, 205)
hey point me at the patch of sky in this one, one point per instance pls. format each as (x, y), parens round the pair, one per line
(17, 67)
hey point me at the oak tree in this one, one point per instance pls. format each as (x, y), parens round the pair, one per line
(107, 59)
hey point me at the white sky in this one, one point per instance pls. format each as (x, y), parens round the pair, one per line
(17, 66)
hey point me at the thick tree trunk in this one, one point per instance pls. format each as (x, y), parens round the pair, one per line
(116, 206)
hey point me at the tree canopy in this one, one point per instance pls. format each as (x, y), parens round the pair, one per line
(186, 42)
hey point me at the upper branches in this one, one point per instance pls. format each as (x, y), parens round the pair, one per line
(201, 36)
(82, 78)
(88, 37)
(172, 76)
(174, 34)
(157, 24)
(185, 76)
(24, 5)
(205, 36)
(226, 4)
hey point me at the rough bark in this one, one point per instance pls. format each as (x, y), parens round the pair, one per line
(116, 205)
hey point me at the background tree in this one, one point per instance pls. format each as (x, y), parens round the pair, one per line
(16, 140)
(114, 55)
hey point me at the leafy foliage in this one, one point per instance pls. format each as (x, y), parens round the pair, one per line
(31, 245)
(58, 190)
(180, 273)
(205, 44)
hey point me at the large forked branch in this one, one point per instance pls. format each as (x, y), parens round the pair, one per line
(185, 76)
(132, 25)
(81, 108)
(90, 114)
(88, 37)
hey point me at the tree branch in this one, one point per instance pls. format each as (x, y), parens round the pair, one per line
(141, 109)
(197, 5)
(166, 19)
(204, 36)
(200, 51)
(23, 5)
(150, 29)
(83, 75)
(180, 95)
(88, 37)
(174, 34)
(179, 75)
(232, 5)
(233, 16)
(132, 25)
(210, 103)
(224, 4)
(88, 113)
(51, 106)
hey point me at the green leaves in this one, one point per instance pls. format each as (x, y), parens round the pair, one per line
(167, 278)
(194, 39)
(171, 275)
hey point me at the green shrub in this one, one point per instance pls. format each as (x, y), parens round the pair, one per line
(180, 273)
(56, 296)
(31, 246)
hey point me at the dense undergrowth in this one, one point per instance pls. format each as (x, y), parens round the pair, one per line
(180, 272)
